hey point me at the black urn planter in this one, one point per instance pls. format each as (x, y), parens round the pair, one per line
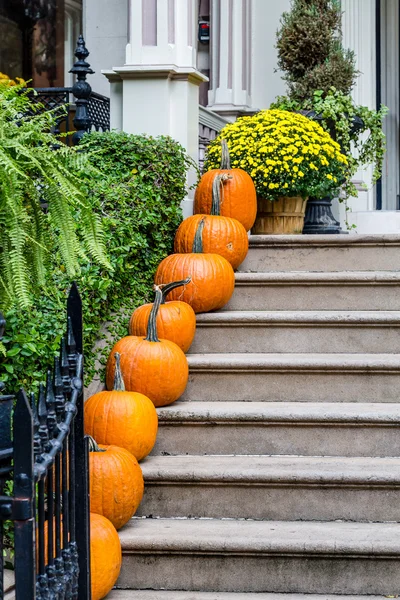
(319, 218)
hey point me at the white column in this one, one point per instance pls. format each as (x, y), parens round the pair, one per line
(159, 80)
(230, 90)
(359, 35)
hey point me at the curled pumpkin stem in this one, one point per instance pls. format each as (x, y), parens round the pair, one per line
(168, 287)
(225, 157)
(119, 385)
(198, 238)
(93, 446)
(152, 322)
(218, 192)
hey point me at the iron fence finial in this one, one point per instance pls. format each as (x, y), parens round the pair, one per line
(82, 91)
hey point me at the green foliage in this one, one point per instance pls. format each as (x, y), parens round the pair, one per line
(135, 186)
(310, 51)
(33, 170)
(284, 153)
(336, 112)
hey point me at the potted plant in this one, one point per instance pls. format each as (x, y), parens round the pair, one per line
(320, 75)
(289, 158)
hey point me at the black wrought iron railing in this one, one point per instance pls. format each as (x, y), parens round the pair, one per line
(44, 452)
(85, 110)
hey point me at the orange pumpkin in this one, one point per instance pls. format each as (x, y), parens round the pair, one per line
(116, 483)
(122, 418)
(46, 541)
(213, 279)
(240, 198)
(176, 320)
(221, 235)
(105, 553)
(105, 556)
(154, 367)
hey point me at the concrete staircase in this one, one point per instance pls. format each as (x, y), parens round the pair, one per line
(277, 475)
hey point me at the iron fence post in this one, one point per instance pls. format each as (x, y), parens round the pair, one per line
(82, 91)
(82, 508)
(24, 489)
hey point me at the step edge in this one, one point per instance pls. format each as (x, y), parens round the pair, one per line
(122, 593)
(254, 318)
(303, 412)
(340, 240)
(230, 536)
(262, 362)
(318, 277)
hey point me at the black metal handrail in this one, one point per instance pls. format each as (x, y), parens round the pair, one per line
(84, 108)
(43, 448)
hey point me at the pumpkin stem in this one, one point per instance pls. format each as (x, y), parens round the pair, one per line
(217, 192)
(93, 446)
(152, 322)
(119, 385)
(166, 288)
(225, 158)
(198, 238)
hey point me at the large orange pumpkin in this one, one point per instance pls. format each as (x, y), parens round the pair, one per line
(105, 553)
(176, 320)
(154, 367)
(105, 556)
(213, 279)
(240, 198)
(221, 235)
(116, 483)
(122, 418)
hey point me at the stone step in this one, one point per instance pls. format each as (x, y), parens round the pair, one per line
(366, 290)
(351, 252)
(293, 377)
(282, 488)
(261, 556)
(300, 331)
(304, 428)
(178, 595)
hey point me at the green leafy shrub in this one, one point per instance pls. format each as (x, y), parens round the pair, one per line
(135, 185)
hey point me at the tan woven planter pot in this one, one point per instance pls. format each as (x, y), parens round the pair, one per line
(282, 216)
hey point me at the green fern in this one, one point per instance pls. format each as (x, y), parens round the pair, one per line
(33, 171)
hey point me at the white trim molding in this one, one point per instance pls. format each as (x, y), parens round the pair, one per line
(231, 42)
(210, 119)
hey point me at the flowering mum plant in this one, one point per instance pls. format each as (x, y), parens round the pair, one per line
(5, 80)
(286, 154)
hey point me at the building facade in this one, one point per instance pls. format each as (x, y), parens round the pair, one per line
(132, 40)
(163, 75)
(38, 38)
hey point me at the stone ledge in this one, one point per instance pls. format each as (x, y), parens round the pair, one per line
(318, 278)
(366, 472)
(298, 318)
(261, 241)
(175, 595)
(323, 413)
(260, 538)
(315, 363)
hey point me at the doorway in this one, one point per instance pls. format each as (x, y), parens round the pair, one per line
(388, 93)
